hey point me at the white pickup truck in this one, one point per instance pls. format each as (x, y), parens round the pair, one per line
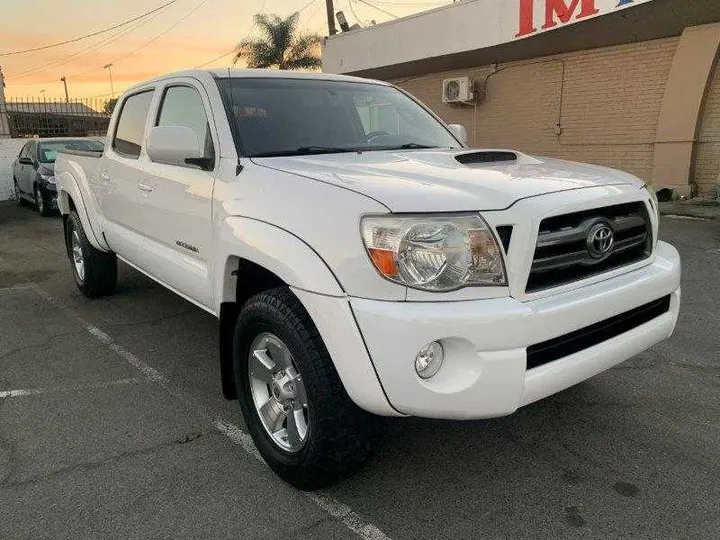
(361, 259)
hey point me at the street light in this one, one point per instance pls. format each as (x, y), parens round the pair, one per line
(109, 68)
(64, 81)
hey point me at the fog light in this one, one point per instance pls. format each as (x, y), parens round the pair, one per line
(429, 360)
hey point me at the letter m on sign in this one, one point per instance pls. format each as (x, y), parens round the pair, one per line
(558, 10)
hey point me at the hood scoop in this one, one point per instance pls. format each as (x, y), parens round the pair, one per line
(487, 156)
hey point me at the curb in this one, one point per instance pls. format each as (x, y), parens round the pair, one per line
(707, 210)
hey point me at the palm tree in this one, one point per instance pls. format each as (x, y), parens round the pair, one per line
(281, 46)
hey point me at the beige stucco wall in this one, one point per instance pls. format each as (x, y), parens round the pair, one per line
(607, 102)
(706, 171)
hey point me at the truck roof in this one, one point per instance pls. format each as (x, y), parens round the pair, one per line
(225, 73)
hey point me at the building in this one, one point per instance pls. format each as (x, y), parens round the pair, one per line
(631, 84)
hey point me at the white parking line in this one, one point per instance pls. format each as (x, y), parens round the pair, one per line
(336, 509)
(72, 388)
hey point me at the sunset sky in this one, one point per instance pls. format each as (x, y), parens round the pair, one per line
(211, 30)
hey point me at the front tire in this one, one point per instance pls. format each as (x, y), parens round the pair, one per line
(95, 271)
(298, 413)
(42, 208)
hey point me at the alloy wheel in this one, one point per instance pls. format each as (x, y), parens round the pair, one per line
(77, 256)
(39, 201)
(278, 392)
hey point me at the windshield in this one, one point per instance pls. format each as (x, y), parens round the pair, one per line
(280, 117)
(47, 151)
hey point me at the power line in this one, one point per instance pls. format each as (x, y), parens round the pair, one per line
(82, 53)
(377, 8)
(161, 34)
(352, 8)
(310, 3)
(411, 4)
(216, 58)
(103, 31)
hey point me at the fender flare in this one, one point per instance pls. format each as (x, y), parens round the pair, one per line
(277, 250)
(69, 188)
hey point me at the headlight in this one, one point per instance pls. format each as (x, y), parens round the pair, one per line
(434, 253)
(49, 178)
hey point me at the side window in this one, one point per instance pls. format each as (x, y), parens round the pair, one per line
(183, 106)
(131, 125)
(25, 150)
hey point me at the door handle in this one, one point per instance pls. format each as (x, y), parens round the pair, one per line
(105, 177)
(145, 188)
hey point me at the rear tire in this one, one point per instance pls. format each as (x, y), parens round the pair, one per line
(95, 271)
(338, 435)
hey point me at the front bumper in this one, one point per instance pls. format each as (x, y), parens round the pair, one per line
(484, 374)
(49, 194)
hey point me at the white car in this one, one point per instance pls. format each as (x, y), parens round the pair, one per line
(361, 259)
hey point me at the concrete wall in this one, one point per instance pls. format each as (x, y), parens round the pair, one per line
(599, 106)
(9, 149)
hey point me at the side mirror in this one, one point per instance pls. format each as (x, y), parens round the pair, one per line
(460, 133)
(25, 161)
(174, 145)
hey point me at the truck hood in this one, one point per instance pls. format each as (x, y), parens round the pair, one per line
(448, 180)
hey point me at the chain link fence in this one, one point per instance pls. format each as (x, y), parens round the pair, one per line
(26, 118)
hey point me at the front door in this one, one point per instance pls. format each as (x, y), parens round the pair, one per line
(177, 203)
(27, 171)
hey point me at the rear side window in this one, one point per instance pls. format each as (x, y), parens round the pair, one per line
(183, 106)
(131, 124)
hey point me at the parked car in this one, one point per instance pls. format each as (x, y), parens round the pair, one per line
(34, 170)
(361, 259)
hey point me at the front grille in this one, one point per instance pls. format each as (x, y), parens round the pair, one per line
(563, 252)
(559, 347)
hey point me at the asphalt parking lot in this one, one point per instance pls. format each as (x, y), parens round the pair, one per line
(112, 426)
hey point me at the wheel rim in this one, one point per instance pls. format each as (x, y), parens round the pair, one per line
(77, 256)
(39, 200)
(278, 392)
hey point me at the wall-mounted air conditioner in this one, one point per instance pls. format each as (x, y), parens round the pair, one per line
(457, 90)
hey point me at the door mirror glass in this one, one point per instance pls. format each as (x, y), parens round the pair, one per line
(26, 161)
(174, 145)
(460, 133)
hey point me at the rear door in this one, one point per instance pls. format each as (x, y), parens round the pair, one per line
(120, 176)
(177, 200)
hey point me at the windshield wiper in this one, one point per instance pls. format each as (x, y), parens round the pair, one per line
(307, 151)
(411, 145)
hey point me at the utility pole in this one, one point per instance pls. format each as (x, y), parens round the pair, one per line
(112, 90)
(64, 81)
(330, 17)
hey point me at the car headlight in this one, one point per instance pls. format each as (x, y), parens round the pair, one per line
(49, 178)
(434, 252)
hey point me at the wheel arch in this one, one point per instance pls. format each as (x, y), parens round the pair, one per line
(254, 256)
(70, 199)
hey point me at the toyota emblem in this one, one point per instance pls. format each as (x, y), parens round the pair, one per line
(600, 240)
